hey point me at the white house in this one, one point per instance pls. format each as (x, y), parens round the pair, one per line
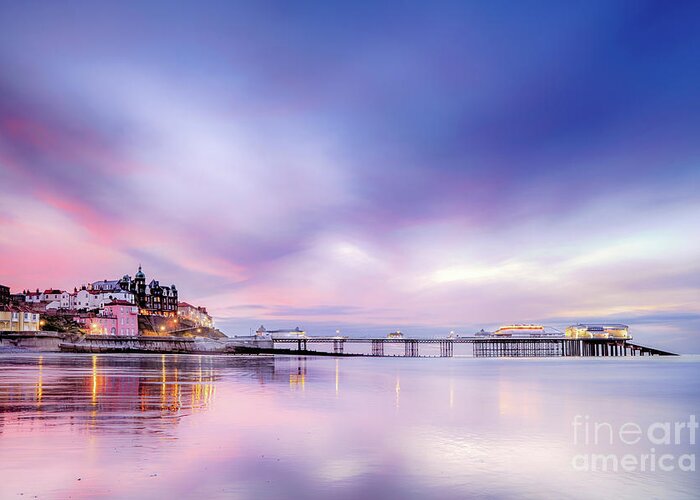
(96, 299)
(57, 299)
(32, 296)
(50, 295)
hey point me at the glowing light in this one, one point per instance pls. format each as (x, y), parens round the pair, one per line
(39, 383)
(504, 330)
(598, 331)
(163, 380)
(94, 380)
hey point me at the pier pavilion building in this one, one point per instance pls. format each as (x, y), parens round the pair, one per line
(598, 331)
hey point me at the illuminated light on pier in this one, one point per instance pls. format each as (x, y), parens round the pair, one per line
(598, 331)
(510, 330)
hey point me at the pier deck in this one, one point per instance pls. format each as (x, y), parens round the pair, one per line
(489, 346)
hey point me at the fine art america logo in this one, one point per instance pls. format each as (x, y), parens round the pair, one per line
(631, 447)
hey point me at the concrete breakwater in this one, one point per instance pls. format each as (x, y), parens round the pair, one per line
(34, 341)
(56, 341)
(146, 344)
(104, 344)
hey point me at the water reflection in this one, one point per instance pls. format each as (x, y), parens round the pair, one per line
(337, 377)
(252, 427)
(297, 379)
(111, 392)
(398, 391)
(452, 393)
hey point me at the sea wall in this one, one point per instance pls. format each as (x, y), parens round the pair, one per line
(57, 341)
(104, 344)
(33, 341)
(185, 345)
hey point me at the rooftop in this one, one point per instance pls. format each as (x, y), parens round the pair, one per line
(119, 302)
(17, 308)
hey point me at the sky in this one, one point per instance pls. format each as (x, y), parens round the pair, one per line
(367, 166)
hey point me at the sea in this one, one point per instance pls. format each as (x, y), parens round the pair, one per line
(319, 427)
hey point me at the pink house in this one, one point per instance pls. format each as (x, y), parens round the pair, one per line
(97, 325)
(126, 315)
(118, 317)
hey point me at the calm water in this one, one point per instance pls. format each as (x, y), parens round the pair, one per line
(156, 426)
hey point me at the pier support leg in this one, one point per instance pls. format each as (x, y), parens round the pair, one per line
(446, 348)
(410, 348)
(377, 348)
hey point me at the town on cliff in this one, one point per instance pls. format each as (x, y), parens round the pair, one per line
(125, 307)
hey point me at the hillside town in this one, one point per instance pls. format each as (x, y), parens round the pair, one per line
(128, 306)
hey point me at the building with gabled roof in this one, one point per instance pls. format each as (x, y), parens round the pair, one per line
(198, 315)
(19, 318)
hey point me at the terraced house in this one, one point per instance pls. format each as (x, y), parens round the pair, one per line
(18, 319)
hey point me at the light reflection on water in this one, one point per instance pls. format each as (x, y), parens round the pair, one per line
(280, 427)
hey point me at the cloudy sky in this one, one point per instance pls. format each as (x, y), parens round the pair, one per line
(370, 166)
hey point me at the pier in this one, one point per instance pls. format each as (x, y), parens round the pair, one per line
(482, 347)
(485, 347)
